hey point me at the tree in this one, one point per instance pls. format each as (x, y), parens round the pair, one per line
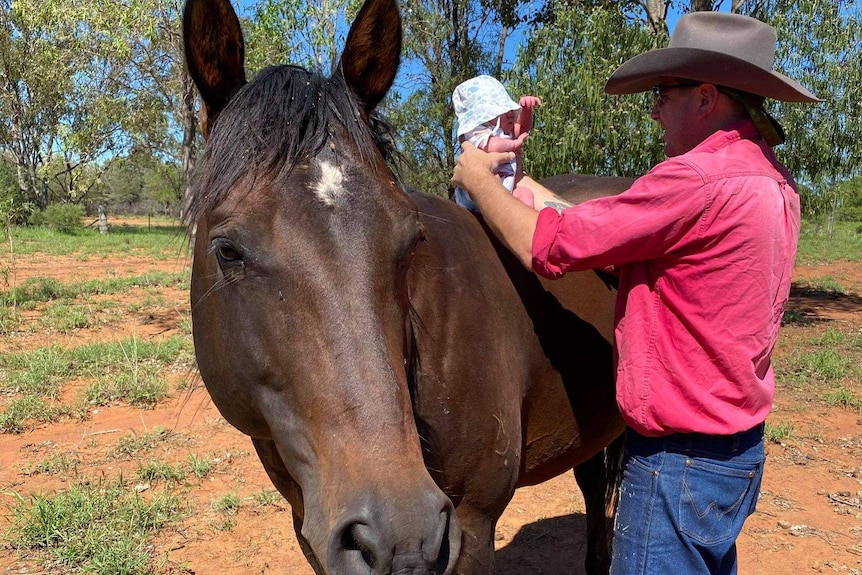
(819, 46)
(446, 42)
(579, 128)
(87, 80)
(36, 63)
(307, 34)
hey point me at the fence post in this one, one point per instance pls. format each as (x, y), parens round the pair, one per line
(103, 220)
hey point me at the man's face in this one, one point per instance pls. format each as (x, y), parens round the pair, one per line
(675, 109)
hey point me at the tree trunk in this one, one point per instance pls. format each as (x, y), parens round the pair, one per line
(189, 149)
(701, 5)
(501, 47)
(189, 146)
(657, 15)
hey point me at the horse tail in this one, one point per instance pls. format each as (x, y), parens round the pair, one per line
(614, 462)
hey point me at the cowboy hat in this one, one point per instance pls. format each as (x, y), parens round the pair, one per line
(718, 48)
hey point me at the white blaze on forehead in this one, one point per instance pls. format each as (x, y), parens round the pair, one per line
(329, 187)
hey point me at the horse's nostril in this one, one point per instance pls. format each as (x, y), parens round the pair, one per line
(444, 552)
(409, 541)
(359, 538)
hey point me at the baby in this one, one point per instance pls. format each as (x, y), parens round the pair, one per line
(489, 119)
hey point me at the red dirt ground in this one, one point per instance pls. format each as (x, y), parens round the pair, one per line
(809, 517)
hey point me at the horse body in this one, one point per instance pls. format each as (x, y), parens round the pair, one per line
(399, 373)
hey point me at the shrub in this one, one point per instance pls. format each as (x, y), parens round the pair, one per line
(65, 218)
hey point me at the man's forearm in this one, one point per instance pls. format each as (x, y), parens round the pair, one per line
(511, 220)
(543, 197)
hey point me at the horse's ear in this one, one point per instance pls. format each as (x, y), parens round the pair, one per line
(215, 54)
(372, 52)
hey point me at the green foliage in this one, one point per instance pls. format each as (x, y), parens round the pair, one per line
(54, 464)
(41, 289)
(266, 497)
(138, 385)
(158, 470)
(780, 432)
(100, 527)
(199, 466)
(134, 443)
(228, 507)
(30, 408)
(815, 246)
(819, 47)
(580, 129)
(844, 397)
(65, 218)
(128, 371)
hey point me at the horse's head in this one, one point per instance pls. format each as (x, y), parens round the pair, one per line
(298, 294)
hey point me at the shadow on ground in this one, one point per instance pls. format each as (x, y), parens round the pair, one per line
(553, 546)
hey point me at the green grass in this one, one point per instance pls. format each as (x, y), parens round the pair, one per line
(101, 528)
(130, 371)
(228, 507)
(10, 319)
(266, 497)
(54, 464)
(31, 408)
(43, 289)
(141, 386)
(158, 470)
(161, 242)
(844, 397)
(200, 467)
(826, 284)
(815, 247)
(94, 359)
(779, 432)
(64, 317)
(133, 444)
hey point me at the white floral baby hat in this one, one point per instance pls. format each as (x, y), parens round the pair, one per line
(479, 100)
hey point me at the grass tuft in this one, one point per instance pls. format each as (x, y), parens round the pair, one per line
(100, 528)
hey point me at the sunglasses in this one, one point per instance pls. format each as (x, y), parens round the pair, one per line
(659, 95)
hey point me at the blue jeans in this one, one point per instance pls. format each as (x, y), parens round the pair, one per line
(683, 500)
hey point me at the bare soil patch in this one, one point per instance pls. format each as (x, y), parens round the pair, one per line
(809, 517)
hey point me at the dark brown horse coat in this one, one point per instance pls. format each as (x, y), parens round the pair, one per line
(398, 372)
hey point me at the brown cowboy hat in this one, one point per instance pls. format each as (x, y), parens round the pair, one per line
(718, 48)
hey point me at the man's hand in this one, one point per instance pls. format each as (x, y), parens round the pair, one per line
(474, 170)
(512, 221)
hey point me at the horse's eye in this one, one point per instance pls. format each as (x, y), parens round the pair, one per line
(226, 252)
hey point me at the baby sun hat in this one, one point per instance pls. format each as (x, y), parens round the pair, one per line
(479, 100)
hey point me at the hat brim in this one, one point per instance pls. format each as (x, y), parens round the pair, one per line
(641, 73)
(492, 113)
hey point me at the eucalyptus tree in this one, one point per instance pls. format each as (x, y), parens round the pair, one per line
(71, 94)
(36, 64)
(579, 128)
(819, 45)
(446, 42)
(307, 34)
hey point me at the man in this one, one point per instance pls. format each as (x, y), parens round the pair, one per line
(704, 245)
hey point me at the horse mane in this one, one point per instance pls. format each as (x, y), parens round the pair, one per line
(286, 114)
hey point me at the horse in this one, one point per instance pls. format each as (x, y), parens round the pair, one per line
(398, 372)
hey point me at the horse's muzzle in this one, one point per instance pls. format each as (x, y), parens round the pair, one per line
(423, 539)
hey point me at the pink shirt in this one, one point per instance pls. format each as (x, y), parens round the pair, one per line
(705, 244)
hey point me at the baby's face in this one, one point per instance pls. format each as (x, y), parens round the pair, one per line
(507, 122)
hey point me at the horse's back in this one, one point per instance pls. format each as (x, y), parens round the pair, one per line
(544, 345)
(585, 293)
